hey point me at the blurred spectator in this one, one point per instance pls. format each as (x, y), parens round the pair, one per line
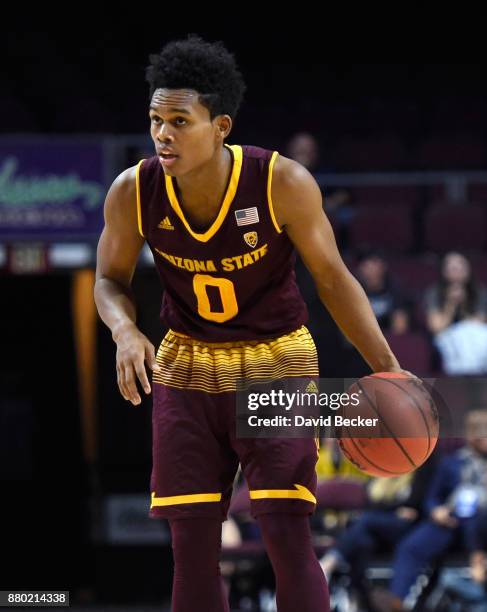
(395, 505)
(455, 499)
(463, 347)
(340, 210)
(304, 148)
(455, 296)
(387, 301)
(469, 593)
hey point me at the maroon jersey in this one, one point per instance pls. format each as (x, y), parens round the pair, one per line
(234, 281)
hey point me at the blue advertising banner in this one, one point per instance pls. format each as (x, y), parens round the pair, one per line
(50, 190)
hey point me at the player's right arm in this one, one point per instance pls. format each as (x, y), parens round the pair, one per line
(118, 250)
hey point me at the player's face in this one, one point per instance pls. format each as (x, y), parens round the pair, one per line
(184, 135)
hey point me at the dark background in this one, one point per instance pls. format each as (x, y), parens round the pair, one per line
(71, 80)
(62, 82)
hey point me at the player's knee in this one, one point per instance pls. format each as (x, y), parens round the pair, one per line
(278, 526)
(196, 546)
(285, 534)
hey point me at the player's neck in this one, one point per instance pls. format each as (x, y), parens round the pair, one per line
(206, 185)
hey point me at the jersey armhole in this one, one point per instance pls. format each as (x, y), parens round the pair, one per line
(137, 190)
(269, 194)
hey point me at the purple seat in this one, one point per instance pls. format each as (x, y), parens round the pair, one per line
(414, 273)
(477, 192)
(386, 153)
(457, 113)
(412, 350)
(385, 196)
(340, 494)
(390, 229)
(452, 153)
(450, 226)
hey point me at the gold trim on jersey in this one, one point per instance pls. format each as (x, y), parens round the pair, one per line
(301, 492)
(227, 200)
(269, 189)
(192, 498)
(216, 367)
(137, 191)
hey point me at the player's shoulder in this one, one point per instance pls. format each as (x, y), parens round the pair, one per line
(127, 177)
(126, 181)
(284, 170)
(290, 179)
(294, 191)
(291, 172)
(122, 194)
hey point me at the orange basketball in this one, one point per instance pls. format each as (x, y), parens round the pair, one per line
(393, 428)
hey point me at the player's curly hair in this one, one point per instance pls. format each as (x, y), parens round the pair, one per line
(207, 68)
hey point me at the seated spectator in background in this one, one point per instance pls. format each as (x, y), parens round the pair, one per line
(454, 501)
(395, 505)
(463, 347)
(470, 593)
(456, 296)
(338, 204)
(332, 463)
(386, 299)
(304, 148)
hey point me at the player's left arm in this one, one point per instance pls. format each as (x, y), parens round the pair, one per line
(298, 209)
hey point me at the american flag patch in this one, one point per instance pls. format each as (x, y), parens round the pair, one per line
(246, 216)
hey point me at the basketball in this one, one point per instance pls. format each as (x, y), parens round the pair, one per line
(401, 424)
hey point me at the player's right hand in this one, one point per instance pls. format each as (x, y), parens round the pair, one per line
(133, 350)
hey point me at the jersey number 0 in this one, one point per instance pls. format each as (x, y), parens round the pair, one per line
(227, 295)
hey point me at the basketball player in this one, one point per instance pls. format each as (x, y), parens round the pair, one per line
(222, 223)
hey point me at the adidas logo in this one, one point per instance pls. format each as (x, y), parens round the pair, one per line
(312, 388)
(166, 224)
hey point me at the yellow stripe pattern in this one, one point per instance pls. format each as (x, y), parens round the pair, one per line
(216, 367)
(301, 492)
(137, 190)
(269, 192)
(228, 199)
(193, 498)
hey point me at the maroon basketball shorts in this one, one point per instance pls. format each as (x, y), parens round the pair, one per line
(196, 452)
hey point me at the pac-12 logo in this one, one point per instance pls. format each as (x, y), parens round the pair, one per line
(251, 239)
